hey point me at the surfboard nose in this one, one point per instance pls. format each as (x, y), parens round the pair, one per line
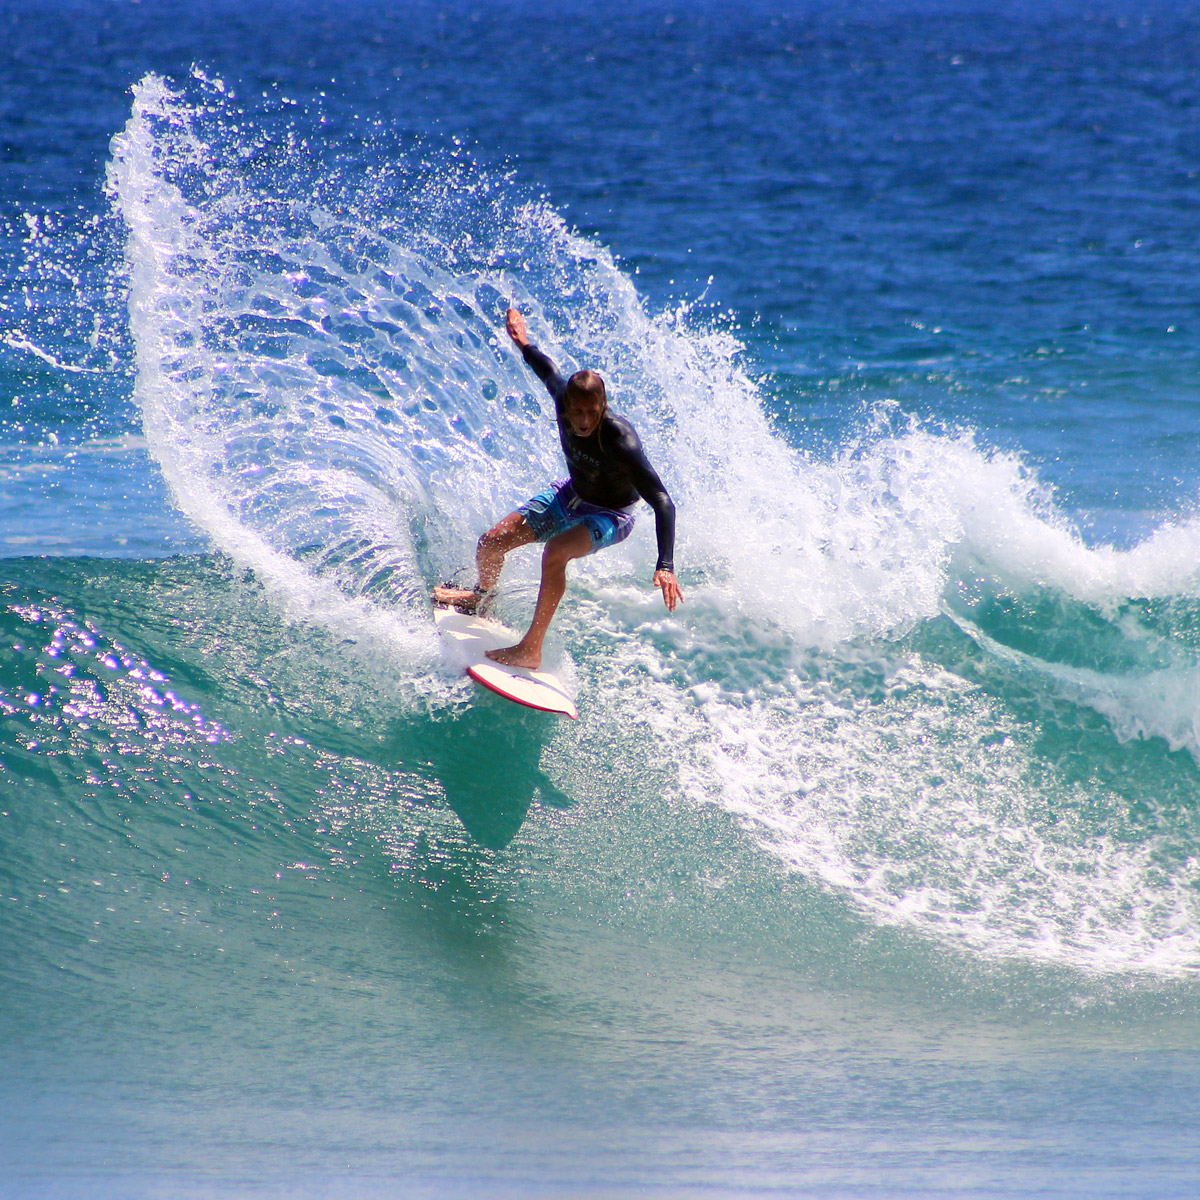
(468, 638)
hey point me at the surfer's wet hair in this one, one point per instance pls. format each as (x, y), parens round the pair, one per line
(586, 385)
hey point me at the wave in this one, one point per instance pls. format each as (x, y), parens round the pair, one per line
(900, 666)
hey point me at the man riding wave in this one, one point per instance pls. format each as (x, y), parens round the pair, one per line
(574, 517)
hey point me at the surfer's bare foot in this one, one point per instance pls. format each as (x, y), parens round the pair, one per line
(465, 600)
(517, 656)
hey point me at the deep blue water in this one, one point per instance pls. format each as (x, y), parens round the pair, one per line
(870, 872)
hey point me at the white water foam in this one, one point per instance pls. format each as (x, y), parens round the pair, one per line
(921, 797)
(333, 403)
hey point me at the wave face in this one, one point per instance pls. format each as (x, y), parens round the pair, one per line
(900, 669)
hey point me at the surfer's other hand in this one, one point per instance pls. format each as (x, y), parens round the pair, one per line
(515, 324)
(670, 588)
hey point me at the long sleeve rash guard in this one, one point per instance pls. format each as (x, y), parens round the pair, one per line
(609, 467)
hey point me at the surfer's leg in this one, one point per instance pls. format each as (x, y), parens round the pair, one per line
(560, 549)
(507, 534)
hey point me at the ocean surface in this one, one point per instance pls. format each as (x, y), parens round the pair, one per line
(873, 871)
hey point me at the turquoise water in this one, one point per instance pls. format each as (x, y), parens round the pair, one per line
(869, 872)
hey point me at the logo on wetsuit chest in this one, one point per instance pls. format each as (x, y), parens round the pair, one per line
(577, 456)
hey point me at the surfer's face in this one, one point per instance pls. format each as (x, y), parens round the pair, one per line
(583, 414)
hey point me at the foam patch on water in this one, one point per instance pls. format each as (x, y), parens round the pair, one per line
(926, 809)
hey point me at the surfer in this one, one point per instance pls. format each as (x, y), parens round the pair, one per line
(586, 512)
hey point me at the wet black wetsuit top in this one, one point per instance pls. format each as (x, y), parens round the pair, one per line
(609, 467)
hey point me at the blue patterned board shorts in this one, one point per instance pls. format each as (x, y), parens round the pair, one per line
(559, 508)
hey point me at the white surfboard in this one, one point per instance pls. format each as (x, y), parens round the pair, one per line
(468, 638)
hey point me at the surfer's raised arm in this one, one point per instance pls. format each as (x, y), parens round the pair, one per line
(515, 324)
(539, 363)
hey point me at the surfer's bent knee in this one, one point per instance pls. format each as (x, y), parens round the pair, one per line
(564, 548)
(503, 531)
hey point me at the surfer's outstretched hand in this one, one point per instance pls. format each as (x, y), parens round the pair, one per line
(515, 324)
(672, 595)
